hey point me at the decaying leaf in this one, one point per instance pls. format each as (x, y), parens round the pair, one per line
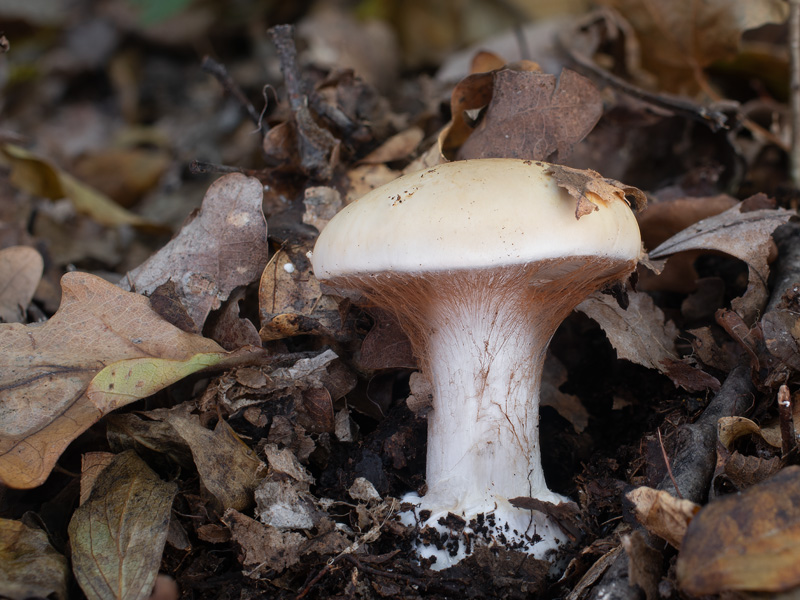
(264, 547)
(290, 299)
(39, 176)
(46, 371)
(534, 116)
(662, 514)
(92, 464)
(744, 235)
(229, 470)
(322, 203)
(644, 563)
(554, 375)
(747, 541)
(641, 335)
(20, 271)
(118, 535)
(730, 429)
(222, 247)
(590, 189)
(680, 38)
(29, 566)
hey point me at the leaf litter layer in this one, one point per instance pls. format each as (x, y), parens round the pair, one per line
(274, 423)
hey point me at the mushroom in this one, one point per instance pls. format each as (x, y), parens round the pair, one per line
(480, 261)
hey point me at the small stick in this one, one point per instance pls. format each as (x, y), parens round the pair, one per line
(666, 462)
(794, 89)
(283, 38)
(198, 167)
(788, 439)
(218, 70)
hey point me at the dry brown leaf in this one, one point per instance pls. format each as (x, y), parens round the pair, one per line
(123, 174)
(747, 541)
(118, 535)
(230, 329)
(640, 334)
(744, 235)
(533, 116)
(263, 546)
(21, 269)
(222, 247)
(321, 204)
(290, 299)
(590, 189)
(554, 375)
(662, 514)
(645, 564)
(29, 566)
(680, 38)
(46, 370)
(229, 470)
(730, 429)
(147, 432)
(398, 147)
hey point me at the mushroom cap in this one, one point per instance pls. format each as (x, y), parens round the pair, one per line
(472, 214)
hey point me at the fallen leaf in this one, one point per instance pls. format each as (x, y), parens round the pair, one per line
(285, 505)
(291, 302)
(229, 469)
(662, 514)
(222, 247)
(680, 38)
(590, 189)
(321, 204)
(263, 546)
(118, 535)
(39, 176)
(92, 464)
(147, 432)
(46, 370)
(29, 565)
(230, 329)
(21, 269)
(554, 375)
(730, 429)
(534, 116)
(123, 174)
(644, 564)
(744, 235)
(639, 333)
(746, 541)
(398, 147)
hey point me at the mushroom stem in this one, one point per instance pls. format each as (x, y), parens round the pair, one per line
(481, 337)
(485, 365)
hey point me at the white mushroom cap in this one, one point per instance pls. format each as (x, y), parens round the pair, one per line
(472, 214)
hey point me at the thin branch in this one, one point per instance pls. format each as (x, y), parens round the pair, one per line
(666, 462)
(218, 70)
(785, 410)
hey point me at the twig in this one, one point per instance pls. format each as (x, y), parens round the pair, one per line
(794, 88)
(283, 38)
(788, 439)
(218, 70)
(198, 167)
(715, 119)
(666, 462)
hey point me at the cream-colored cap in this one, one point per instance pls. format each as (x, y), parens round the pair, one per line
(472, 214)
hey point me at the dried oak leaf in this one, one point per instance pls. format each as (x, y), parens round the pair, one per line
(220, 248)
(29, 566)
(531, 115)
(680, 38)
(21, 269)
(744, 235)
(662, 514)
(640, 334)
(747, 541)
(47, 393)
(118, 535)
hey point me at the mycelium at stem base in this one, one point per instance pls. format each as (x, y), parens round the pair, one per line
(481, 337)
